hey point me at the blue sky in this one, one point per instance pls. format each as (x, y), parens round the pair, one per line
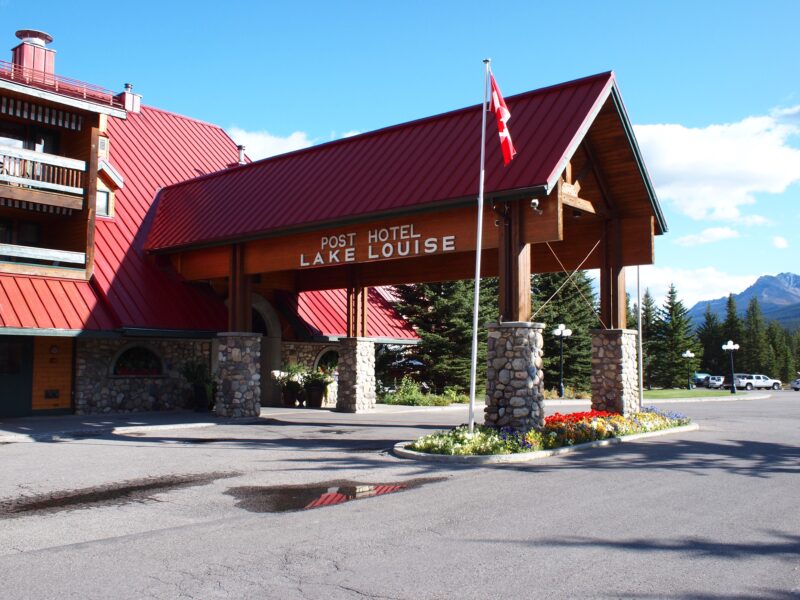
(712, 87)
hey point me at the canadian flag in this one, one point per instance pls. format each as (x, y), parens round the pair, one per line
(501, 112)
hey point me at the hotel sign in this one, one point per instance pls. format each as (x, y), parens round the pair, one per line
(382, 243)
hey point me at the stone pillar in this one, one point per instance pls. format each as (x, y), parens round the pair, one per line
(514, 377)
(238, 375)
(356, 367)
(615, 371)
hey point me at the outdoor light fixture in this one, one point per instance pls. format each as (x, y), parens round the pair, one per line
(561, 332)
(731, 347)
(688, 355)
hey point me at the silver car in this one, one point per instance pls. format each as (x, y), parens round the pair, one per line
(715, 382)
(796, 385)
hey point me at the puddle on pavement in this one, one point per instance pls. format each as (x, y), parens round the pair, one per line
(124, 492)
(273, 499)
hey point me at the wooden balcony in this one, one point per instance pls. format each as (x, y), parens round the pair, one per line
(42, 178)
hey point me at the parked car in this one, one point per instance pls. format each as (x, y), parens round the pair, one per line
(796, 385)
(700, 379)
(759, 382)
(715, 382)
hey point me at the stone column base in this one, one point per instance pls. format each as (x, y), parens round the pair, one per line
(615, 371)
(238, 375)
(514, 377)
(356, 387)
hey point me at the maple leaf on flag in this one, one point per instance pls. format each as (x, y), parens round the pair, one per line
(503, 115)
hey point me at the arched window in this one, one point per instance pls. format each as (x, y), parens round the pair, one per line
(138, 361)
(328, 360)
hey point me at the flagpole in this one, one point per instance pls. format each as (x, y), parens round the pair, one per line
(478, 240)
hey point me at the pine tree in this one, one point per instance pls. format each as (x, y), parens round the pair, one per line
(673, 337)
(778, 350)
(442, 316)
(576, 309)
(732, 325)
(649, 312)
(755, 352)
(709, 334)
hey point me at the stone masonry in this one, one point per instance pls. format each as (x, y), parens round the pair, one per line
(514, 376)
(99, 391)
(356, 375)
(306, 354)
(238, 375)
(615, 371)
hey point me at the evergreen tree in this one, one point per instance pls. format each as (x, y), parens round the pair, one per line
(709, 334)
(732, 325)
(778, 342)
(673, 336)
(755, 353)
(442, 316)
(577, 311)
(649, 312)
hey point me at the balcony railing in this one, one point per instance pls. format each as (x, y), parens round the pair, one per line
(41, 256)
(38, 170)
(58, 84)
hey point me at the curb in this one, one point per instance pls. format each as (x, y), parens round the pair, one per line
(400, 450)
(121, 430)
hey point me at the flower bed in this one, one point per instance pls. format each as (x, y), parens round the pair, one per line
(559, 430)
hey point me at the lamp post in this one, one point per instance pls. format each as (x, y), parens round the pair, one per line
(731, 347)
(561, 332)
(688, 355)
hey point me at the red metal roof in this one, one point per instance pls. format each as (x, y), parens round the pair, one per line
(47, 303)
(150, 150)
(324, 313)
(430, 161)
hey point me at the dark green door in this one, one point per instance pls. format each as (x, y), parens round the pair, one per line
(16, 376)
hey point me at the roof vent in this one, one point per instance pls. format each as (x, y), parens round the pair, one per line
(241, 154)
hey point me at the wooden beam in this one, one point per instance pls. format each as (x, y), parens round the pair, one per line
(240, 311)
(357, 311)
(612, 277)
(91, 198)
(514, 265)
(43, 198)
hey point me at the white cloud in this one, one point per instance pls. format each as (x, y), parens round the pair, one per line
(780, 242)
(707, 236)
(261, 144)
(693, 285)
(711, 172)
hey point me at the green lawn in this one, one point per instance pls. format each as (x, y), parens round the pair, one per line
(695, 393)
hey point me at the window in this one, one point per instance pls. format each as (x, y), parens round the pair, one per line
(138, 362)
(103, 205)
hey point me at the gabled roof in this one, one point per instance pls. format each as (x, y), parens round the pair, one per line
(419, 165)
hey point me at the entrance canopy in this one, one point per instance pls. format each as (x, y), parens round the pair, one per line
(397, 205)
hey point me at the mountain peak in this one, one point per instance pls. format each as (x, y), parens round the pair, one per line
(774, 293)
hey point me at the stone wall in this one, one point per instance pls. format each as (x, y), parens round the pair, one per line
(305, 354)
(514, 377)
(238, 375)
(615, 371)
(356, 375)
(97, 390)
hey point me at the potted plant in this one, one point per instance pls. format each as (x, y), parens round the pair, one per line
(198, 376)
(291, 382)
(316, 386)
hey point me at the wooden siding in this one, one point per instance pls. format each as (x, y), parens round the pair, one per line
(52, 373)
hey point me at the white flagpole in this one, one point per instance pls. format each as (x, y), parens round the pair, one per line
(478, 239)
(639, 327)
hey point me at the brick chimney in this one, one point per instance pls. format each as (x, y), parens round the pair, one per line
(32, 59)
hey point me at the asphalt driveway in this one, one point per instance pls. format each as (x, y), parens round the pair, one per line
(181, 513)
